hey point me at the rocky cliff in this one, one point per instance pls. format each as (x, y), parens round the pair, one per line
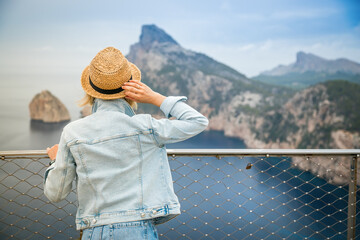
(48, 108)
(317, 117)
(210, 86)
(323, 116)
(263, 115)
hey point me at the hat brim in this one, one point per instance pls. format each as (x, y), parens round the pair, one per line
(135, 73)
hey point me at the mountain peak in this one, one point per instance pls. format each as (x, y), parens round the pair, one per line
(151, 34)
(310, 69)
(302, 58)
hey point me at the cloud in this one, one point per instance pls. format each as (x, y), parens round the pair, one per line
(316, 46)
(268, 44)
(246, 47)
(45, 49)
(304, 14)
(250, 17)
(357, 30)
(225, 5)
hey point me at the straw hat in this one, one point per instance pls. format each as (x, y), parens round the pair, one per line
(107, 72)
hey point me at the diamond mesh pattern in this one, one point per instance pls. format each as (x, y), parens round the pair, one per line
(220, 199)
(25, 212)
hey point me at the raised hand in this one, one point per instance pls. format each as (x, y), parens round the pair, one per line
(140, 92)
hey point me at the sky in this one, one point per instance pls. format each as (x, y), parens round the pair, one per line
(41, 36)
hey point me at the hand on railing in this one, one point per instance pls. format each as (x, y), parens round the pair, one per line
(52, 152)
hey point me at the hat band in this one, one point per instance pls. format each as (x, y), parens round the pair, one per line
(106, 91)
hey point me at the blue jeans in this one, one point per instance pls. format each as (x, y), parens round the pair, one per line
(128, 230)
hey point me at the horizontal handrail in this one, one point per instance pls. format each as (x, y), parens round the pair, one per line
(223, 152)
(263, 152)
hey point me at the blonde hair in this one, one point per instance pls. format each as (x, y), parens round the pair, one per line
(89, 100)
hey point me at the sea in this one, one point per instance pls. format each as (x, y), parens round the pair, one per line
(314, 214)
(17, 131)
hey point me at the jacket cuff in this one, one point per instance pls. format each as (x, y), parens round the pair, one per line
(47, 172)
(168, 104)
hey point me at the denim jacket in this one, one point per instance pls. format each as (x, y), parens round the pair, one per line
(120, 162)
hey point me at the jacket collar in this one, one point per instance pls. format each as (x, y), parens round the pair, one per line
(116, 105)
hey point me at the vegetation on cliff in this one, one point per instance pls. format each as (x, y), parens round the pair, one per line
(346, 97)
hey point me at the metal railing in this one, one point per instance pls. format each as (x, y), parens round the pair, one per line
(224, 193)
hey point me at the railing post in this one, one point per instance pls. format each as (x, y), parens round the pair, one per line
(352, 199)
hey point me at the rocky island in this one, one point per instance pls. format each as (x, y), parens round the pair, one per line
(47, 108)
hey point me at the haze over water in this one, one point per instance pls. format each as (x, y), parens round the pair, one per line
(18, 132)
(16, 92)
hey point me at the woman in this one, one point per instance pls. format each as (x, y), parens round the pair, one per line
(118, 159)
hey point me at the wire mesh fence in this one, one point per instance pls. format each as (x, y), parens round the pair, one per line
(249, 196)
(25, 212)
